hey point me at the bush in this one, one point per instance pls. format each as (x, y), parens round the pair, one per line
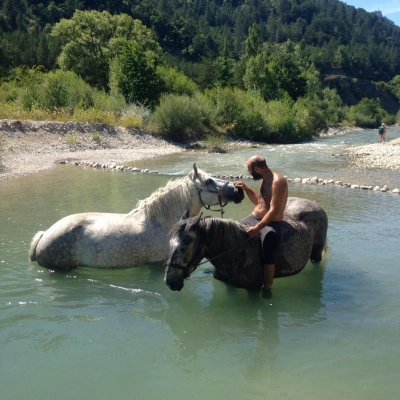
(367, 113)
(93, 115)
(135, 116)
(179, 118)
(224, 105)
(176, 82)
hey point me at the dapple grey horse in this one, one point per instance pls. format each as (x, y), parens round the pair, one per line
(106, 240)
(237, 258)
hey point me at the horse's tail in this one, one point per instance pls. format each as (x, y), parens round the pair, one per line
(35, 241)
(317, 251)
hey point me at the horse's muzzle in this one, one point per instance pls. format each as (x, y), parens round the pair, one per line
(174, 285)
(173, 279)
(239, 195)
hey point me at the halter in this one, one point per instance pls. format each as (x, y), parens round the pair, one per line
(188, 270)
(207, 206)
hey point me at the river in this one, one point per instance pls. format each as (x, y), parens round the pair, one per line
(330, 332)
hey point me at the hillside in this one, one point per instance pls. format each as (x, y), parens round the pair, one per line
(281, 49)
(352, 91)
(191, 31)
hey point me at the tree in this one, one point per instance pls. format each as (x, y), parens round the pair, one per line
(254, 41)
(94, 39)
(224, 65)
(288, 74)
(134, 73)
(260, 79)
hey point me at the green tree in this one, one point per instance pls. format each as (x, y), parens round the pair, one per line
(254, 41)
(259, 78)
(134, 73)
(94, 38)
(288, 72)
(224, 66)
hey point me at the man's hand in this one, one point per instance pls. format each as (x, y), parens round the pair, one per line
(252, 231)
(241, 185)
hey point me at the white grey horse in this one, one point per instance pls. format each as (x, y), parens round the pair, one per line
(108, 240)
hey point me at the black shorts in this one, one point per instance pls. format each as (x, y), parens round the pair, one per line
(270, 237)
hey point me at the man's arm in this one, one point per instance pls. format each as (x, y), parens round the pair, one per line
(276, 209)
(250, 194)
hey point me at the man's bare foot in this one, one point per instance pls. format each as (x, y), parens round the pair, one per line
(266, 293)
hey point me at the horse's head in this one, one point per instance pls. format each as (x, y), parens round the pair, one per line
(185, 252)
(214, 191)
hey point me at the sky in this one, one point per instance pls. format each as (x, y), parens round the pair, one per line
(389, 8)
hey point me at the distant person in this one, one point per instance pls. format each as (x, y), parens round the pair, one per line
(382, 133)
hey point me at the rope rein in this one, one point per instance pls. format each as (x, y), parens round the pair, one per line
(226, 251)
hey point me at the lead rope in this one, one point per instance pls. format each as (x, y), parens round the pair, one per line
(226, 251)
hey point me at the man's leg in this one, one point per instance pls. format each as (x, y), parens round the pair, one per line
(268, 276)
(270, 236)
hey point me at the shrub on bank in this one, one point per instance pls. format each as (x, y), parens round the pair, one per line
(178, 118)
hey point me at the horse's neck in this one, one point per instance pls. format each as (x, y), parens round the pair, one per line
(219, 236)
(169, 203)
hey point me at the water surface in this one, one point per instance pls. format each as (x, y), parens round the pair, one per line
(330, 332)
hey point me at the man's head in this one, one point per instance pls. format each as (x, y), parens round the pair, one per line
(256, 165)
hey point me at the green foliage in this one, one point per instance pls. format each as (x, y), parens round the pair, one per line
(259, 79)
(394, 86)
(55, 90)
(214, 140)
(96, 136)
(254, 41)
(56, 94)
(71, 139)
(134, 73)
(179, 118)
(223, 105)
(235, 72)
(93, 39)
(367, 113)
(176, 82)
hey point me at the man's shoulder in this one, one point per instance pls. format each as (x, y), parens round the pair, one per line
(278, 177)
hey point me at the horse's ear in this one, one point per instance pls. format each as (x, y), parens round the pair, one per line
(196, 172)
(185, 215)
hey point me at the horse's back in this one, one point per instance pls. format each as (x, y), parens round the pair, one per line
(295, 247)
(314, 216)
(65, 244)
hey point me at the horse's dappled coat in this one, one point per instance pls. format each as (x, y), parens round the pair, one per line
(108, 240)
(237, 258)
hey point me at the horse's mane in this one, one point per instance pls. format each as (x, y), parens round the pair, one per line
(165, 199)
(225, 232)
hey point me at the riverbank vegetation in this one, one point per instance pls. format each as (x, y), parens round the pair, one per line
(205, 69)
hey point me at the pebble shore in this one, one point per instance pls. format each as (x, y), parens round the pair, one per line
(34, 146)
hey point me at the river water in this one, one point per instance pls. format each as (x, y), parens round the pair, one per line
(330, 332)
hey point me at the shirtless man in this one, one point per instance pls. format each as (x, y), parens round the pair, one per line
(270, 203)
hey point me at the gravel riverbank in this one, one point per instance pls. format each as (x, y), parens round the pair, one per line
(33, 146)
